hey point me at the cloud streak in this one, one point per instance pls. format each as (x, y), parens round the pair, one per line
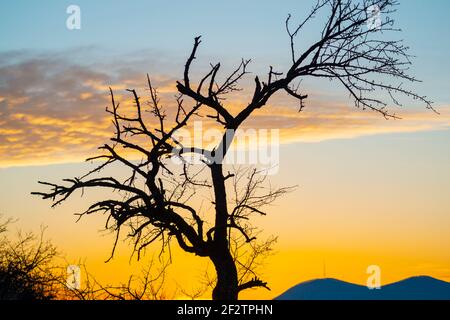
(53, 110)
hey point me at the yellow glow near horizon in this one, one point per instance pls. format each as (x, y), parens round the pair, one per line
(360, 202)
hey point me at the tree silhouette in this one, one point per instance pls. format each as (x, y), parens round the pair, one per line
(155, 200)
(27, 266)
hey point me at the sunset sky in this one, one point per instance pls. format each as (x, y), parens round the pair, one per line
(370, 191)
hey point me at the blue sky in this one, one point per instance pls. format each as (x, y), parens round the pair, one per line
(231, 30)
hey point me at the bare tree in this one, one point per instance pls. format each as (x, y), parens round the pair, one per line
(27, 266)
(155, 199)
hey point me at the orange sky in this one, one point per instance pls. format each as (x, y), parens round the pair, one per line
(379, 199)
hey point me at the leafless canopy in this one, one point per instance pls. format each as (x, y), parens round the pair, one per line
(155, 199)
(27, 268)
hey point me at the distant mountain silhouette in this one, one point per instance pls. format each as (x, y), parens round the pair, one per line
(415, 288)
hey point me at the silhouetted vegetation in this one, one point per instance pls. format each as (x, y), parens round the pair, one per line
(148, 285)
(31, 268)
(27, 269)
(154, 202)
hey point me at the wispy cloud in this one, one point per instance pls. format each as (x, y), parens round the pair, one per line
(53, 110)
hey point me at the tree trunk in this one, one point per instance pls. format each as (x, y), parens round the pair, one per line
(227, 280)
